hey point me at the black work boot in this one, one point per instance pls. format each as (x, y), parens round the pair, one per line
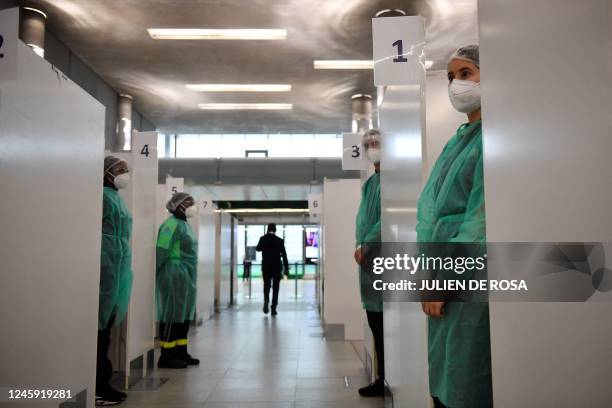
(376, 389)
(186, 357)
(170, 359)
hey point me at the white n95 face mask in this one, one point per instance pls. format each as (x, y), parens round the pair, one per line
(191, 212)
(464, 95)
(373, 155)
(121, 181)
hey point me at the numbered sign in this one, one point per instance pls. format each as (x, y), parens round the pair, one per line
(398, 50)
(315, 207)
(205, 205)
(9, 31)
(352, 152)
(174, 185)
(144, 149)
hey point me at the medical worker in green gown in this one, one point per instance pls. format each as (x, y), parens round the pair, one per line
(367, 237)
(176, 277)
(115, 272)
(451, 209)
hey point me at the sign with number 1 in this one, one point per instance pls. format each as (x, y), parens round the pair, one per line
(399, 44)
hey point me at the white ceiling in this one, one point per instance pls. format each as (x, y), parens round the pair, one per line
(111, 37)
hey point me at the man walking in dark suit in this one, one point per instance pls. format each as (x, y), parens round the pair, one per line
(272, 248)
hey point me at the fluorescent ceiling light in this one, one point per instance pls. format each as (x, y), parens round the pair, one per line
(245, 106)
(352, 64)
(216, 34)
(343, 64)
(238, 87)
(266, 210)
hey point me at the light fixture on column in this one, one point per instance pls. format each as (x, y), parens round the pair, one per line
(32, 29)
(124, 122)
(361, 107)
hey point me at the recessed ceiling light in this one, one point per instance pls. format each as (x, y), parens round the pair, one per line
(239, 87)
(343, 64)
(216, 34)
(245, 106)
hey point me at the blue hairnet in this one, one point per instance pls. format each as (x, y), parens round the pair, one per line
(468, 53)
(175, 201)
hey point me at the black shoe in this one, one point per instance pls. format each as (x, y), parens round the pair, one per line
(265, 308)
(376, 389)
(274, 312)
(171, 362)
(190, 360)
(106, 399)
(118, 394)
(186, 357)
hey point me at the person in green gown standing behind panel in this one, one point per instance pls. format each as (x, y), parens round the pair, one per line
(451, 209)
(367, 243)
(115, 273)
(176, 277)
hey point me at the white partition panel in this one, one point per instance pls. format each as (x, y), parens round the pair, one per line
(223, 260)
(546, 69)
(204, 227)
(343, 315)
(141, 314)
(401, 124)
(51, 161)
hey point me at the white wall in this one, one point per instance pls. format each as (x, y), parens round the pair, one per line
(342, 299)
(50, 130)
(546, 69)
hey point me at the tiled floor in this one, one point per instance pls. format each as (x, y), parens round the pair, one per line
(249, 359)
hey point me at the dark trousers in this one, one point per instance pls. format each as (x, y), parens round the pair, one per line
(173, 335)
(104, 367)
(271, 280)
(246, 274)
(375, 321)
(438, 403)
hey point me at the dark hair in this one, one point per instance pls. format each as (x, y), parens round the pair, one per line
(271, 227)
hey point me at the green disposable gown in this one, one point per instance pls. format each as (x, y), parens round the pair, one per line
(176, 272)
(451, 209)
(367, 231)
(116, 259)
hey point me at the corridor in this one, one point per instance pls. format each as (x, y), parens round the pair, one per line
(249, 359)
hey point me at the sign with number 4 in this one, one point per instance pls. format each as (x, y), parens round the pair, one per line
(398, 44)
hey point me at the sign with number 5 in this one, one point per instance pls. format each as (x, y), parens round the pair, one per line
(398, 45)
